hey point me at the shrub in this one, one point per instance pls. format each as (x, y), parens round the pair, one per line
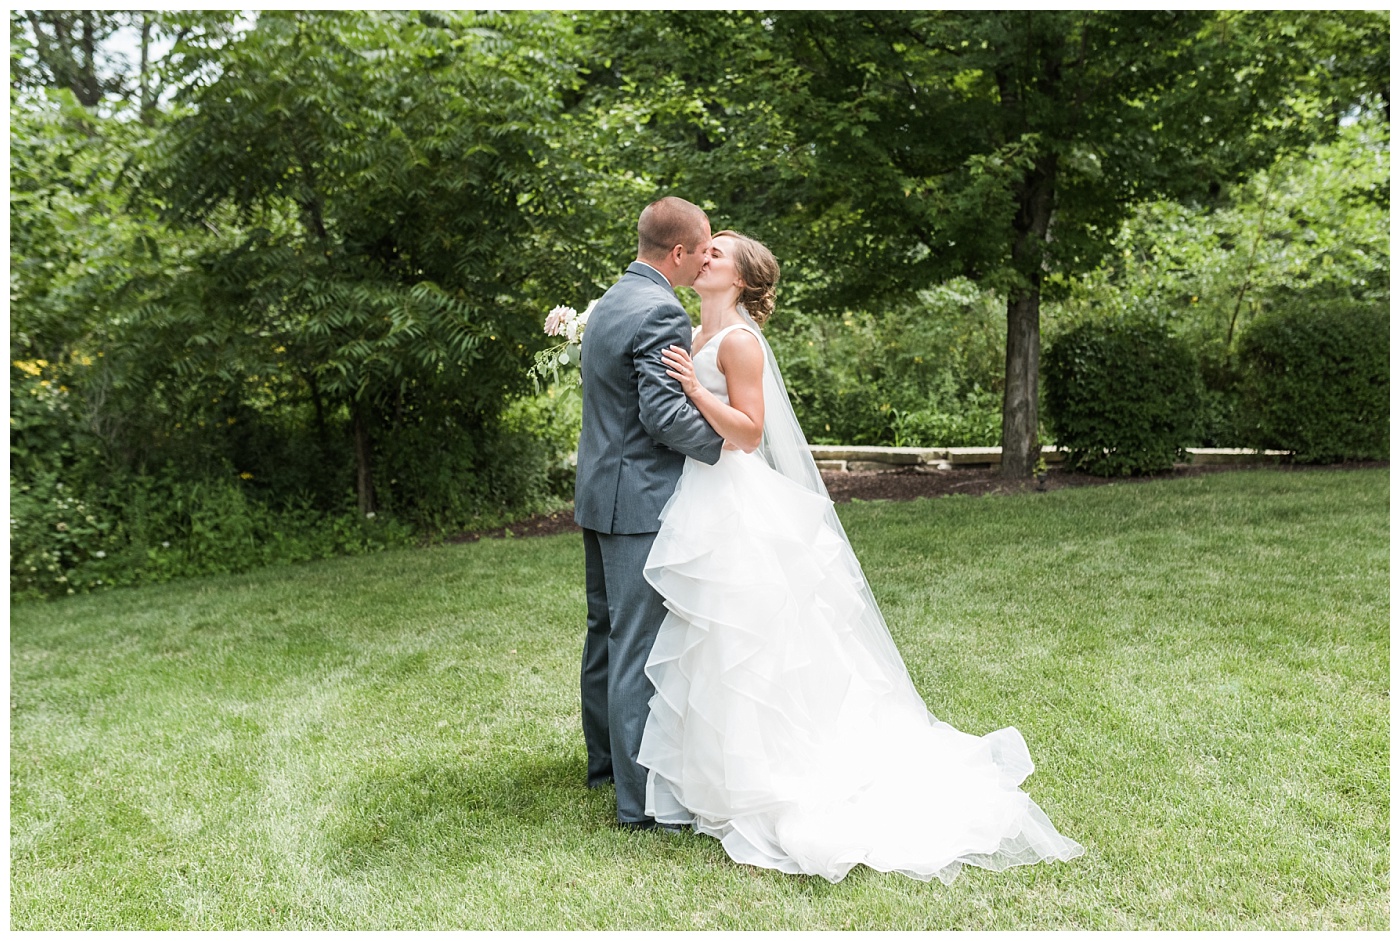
(1122, 395)
(1315, 380)
(55, 536)
(228, 493)
(1220, 419)
(553, 418)
(973, 423)
(445, 474)
(914, 370)
(850, 415)
(138, 529)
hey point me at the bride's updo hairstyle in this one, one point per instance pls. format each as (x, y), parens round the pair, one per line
(759, 269)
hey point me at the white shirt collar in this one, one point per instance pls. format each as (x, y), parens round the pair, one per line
(663, 277)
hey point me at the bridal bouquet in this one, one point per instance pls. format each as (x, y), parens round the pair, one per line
(567, 323)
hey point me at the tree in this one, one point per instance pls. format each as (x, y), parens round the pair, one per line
(1313, 223)
(69, 49)
(891, 150)
(403, 195)
(78, 50)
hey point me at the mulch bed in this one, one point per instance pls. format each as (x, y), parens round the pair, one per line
(915, 482)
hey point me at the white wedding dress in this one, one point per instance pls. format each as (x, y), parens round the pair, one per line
(781, 725)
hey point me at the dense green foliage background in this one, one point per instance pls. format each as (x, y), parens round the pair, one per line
(276, 279)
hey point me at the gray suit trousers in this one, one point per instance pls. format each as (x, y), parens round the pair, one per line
(624, 615)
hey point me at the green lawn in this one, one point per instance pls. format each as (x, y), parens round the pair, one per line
(1200, 667)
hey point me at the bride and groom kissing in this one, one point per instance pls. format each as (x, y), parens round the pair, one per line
(738, 677)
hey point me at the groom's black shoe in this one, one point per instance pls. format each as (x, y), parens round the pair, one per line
(650, 824)
(600, 782)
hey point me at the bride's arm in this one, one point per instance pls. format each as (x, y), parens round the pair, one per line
(741, 361)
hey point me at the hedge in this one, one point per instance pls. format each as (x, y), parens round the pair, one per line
(1123, 396)
(1315, 380)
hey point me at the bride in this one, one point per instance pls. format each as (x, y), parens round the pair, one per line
(784, 722)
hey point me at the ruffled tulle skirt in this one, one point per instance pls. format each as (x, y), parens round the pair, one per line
(774, 730)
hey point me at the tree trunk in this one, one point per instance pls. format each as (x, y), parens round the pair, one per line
(1020, 410)
(319, 408)
(1247, 283)
(89, 87)
(364, 472)
(147, 99)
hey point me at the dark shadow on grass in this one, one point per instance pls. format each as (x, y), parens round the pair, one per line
(458, 813)
(512, 804)
(517, 804)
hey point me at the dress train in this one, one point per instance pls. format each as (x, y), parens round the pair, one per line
(773, 728)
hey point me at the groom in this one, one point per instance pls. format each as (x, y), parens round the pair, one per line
(638, 428)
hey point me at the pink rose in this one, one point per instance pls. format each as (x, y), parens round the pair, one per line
(558, 319)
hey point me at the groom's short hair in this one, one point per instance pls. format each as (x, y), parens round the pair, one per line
(668, 222)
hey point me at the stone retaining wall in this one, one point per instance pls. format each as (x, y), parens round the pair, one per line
(854, 459)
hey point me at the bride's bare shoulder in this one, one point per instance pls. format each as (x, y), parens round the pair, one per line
(740, 348)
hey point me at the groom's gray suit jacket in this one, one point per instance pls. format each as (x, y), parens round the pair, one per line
(638, 427)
